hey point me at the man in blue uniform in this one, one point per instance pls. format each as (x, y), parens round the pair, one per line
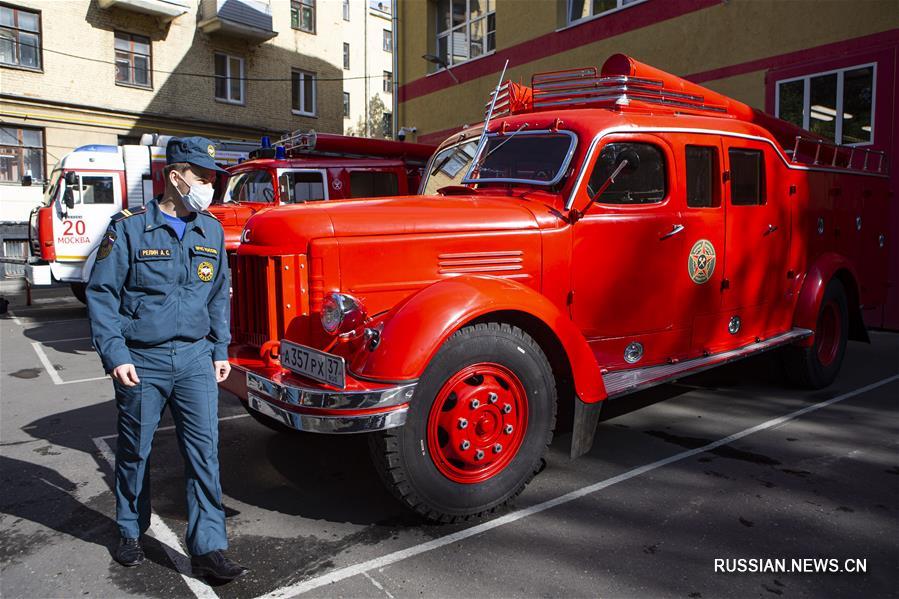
(158, 300)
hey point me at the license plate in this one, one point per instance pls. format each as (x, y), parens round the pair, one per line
(316, 365)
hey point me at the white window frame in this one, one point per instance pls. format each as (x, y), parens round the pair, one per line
(228, 77)
(806, 98)
(387, 82)
(346, 10)
(300, 111)
(387, 43)
(346, 56)
(620, 5)
(466, 27)
(346, 105)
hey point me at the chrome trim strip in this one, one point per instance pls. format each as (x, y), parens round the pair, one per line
(329, 424)
(592, 150)
(624, 382)
(559, 175)
(307, 397)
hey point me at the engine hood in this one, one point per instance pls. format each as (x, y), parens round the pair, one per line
(284, 229)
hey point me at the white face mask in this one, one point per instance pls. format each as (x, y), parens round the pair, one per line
(198, 197)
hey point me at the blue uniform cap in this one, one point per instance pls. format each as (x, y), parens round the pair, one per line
(198, 151)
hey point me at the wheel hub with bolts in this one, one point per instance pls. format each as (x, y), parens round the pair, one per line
(477, 422)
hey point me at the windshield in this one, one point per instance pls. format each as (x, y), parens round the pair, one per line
(534, 157)
(449, 166)
(250, 186)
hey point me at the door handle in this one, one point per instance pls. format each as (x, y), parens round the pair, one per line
(675, 229)
(771, 229)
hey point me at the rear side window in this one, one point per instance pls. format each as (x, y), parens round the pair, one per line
(747, 177)
(303, 187)
(643, 185)
(371, 184)
(702, 179)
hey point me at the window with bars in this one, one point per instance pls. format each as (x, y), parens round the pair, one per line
(229, 78)
(132, 60)
(346, 10)
(303, 92)
(388, 82)
(585, 9)
(838, 105)
(388, 41)
(466, 29)
(302, 15)
(20, 38)
(346, 105)
(346, 57)
(21, 154)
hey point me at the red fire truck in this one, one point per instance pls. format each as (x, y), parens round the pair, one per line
(308, 166)
(86, 187)
(605, 231)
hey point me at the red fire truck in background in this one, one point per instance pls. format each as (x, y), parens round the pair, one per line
(603, 232)
(85, 188)
(308, 167)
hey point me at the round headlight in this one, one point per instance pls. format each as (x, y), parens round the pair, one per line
(341, 313)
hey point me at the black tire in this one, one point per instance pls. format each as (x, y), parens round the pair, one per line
(270, 423)
(79, 290)
(804, 366)
(402, 456)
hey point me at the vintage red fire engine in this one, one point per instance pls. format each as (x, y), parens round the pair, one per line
(604, 232)
(308, 166)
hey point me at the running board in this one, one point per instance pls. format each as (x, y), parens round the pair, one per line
(623, 382)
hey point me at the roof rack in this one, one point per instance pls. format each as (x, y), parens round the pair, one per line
(829, 153)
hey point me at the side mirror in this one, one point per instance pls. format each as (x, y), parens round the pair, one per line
(71, 178)
(27, 181)
(633, 160)
(68, 198)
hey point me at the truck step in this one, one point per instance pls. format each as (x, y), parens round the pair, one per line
(623, 382)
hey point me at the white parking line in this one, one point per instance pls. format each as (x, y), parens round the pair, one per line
(397, 556)
(167, 537)
(54, 376)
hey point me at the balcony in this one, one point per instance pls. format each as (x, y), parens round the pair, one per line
(247, 19)
(164, 9)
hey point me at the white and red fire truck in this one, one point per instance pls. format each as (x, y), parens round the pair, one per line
(84, 190)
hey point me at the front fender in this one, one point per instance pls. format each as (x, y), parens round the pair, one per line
(826, 267)
(416, 328)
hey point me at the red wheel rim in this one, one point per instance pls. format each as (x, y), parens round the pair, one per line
(828, 334)
(477, 423)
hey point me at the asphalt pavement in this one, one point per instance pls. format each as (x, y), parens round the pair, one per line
(686, 485)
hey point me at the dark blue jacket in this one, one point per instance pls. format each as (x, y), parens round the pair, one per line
(147, 287)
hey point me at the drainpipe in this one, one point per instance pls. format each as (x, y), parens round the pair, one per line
(396, 61)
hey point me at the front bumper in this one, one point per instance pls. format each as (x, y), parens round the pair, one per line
(306, 407)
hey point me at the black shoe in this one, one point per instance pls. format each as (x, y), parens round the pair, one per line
(215, 565)
(129, 552)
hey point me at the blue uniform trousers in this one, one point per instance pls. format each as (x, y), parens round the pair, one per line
(180, 374)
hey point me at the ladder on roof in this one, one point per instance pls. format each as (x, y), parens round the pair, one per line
(841, 156)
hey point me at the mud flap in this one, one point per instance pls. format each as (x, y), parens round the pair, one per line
(586, 416)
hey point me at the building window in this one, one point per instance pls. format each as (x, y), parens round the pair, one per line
(388, 82)
(20, 38)
(466, 29)
(346, 10)
(388, 41)
(302, 15)
(747, 177)
(346, 57)
(837, 105)
(229, 78)
(303, 93)
(132, 60)
(584, 9)
(21, 154)
(387, 124)
(346, 105)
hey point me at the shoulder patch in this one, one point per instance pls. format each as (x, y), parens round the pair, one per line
(127, 212)
(106, 244)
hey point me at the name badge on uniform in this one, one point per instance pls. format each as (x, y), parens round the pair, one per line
(157, 253)
(206, 251)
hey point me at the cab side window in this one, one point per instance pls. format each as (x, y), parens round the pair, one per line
(644, 184)
(747, 177)
(702, 176)
(370, 184)
(304, 187)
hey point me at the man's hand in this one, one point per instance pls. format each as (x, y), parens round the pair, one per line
(126, 375)
(222, 370)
